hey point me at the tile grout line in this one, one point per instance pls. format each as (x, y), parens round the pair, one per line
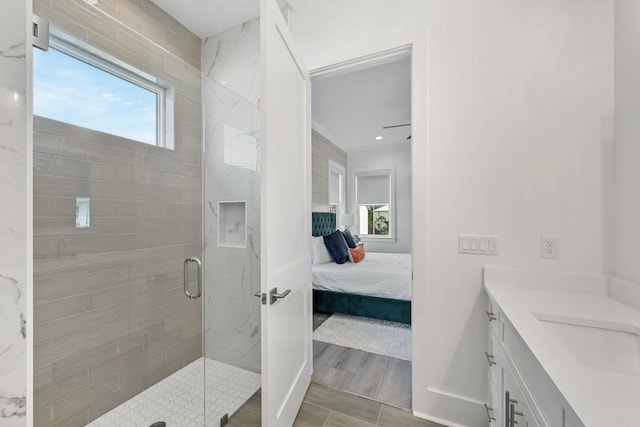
(379, 387)
(328, 416)
(379, 414)
(392, 404)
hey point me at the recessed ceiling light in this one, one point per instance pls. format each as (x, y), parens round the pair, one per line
(378, 138)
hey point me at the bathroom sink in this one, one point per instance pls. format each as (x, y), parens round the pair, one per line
(610, 347)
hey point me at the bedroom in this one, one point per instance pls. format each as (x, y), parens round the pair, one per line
(361, 185)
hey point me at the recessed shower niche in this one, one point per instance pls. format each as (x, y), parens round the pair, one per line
(232, 224)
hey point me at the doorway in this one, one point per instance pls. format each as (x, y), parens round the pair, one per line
(361, 113)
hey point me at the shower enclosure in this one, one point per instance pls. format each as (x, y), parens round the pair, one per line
(146, 245)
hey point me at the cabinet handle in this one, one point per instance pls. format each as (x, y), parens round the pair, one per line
(490, 416)
(490, 315)
(490, 358)
(509, 421)
(511, 411)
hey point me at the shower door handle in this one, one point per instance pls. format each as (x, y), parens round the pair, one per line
(186, 277)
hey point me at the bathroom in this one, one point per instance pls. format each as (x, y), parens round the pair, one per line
(524, 128)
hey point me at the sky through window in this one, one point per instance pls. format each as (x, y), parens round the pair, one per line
(70, 90)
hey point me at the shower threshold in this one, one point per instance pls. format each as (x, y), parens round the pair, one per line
(178, 399)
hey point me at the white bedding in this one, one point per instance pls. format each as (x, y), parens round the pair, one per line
(378, 274)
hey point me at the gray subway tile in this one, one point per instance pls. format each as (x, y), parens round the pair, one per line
(57, 308)
(80, 361)
(84, 321)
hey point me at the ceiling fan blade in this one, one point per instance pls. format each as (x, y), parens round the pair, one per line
(396, 126)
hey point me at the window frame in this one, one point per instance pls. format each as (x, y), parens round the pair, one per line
(340, 207)
(362, 172)
(106, 62)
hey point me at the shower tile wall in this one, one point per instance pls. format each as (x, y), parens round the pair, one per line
(13, 213)
(111, 317)
(139, 17)
(232, 148)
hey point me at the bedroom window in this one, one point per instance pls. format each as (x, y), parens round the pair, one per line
(336, 189)
(374, 203)
(78, 84)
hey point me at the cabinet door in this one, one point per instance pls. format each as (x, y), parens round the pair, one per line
(516, 410)
(494, 361)
(493, 316)
(494, 410)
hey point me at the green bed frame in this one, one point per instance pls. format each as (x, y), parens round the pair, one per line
(395, 310)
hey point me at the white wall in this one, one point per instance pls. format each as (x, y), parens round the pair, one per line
(512, 130)
(397, 157)
(627, 129)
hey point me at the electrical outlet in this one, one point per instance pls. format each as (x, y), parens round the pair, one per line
(549, 247)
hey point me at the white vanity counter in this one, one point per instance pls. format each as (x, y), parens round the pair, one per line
(587, 342)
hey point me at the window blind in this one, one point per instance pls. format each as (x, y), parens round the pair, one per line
(373, 189)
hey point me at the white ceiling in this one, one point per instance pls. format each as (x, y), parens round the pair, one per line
(350, 109)
(207, 17)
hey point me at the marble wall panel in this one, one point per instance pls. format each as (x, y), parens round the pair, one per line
(13, 212)
(232, 173)
(232, 58)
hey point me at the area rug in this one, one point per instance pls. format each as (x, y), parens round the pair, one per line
(362, 333)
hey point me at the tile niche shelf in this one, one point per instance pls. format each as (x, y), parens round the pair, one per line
(232, 224)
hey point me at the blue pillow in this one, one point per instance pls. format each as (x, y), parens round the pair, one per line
(337, 247)
(349, 239)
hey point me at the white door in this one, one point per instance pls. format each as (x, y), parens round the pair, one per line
(285, 221)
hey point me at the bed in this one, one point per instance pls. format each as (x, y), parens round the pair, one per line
(379, 286)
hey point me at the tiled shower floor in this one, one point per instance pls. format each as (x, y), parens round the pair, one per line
(178, 399)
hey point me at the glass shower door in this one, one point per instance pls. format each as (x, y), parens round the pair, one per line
(117, 211)
(232, 251)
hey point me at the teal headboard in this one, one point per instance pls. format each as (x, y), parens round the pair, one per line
(322, 223)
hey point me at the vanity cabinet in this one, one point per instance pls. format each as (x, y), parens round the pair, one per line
(520, 391)
(495, 370)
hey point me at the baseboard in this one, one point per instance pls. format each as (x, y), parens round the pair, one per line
(436, 420)
(450, 409)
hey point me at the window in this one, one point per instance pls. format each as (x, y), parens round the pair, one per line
(336, 189)
(88, 88)
(374, 198)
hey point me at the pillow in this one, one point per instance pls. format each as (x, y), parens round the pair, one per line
(319, 252)
(337, 247)
(349, 239)
(356, 255)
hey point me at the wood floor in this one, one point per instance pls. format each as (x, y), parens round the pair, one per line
(378, 377)
(350, 388)
(327, 407)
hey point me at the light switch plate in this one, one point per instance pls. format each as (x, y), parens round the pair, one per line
(477, 244)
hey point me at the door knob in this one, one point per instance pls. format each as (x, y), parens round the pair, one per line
(275, 296)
